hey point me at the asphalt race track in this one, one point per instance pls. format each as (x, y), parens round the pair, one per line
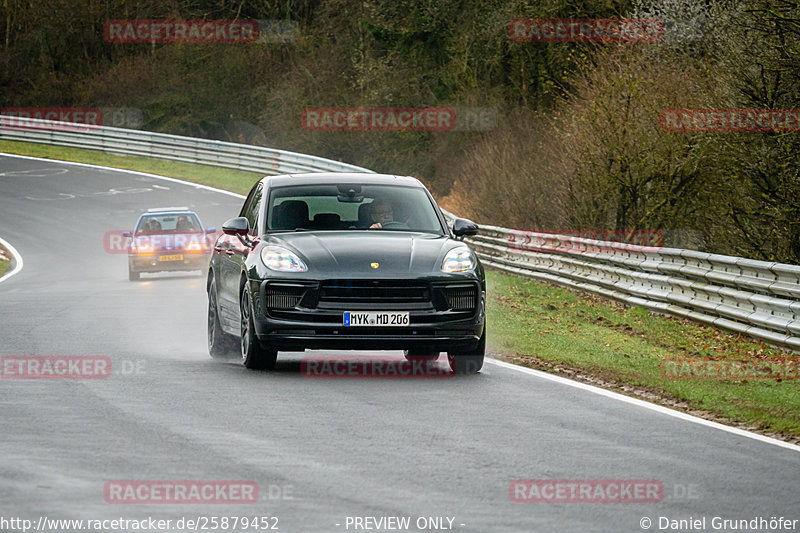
(319, 450)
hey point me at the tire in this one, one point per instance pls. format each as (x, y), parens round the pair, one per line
(220, 344)
(420, 355)
(255, 355)
(133, 275)
(468, 361)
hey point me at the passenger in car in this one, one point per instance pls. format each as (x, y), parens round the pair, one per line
(184, 224)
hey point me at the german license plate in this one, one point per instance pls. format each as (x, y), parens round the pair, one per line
(385, 319)
(176, 257)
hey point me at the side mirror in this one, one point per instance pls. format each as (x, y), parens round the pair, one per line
(211, 230)
(463, 227)
(236, 226)
(126, 234)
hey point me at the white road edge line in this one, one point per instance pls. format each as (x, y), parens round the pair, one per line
(136, 172)
(17, 260)
(645, 404)
(538, 373)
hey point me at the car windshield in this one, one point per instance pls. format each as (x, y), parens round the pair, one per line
(351, 207)
(169, 223)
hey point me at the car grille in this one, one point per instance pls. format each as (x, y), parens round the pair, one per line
(460, 297)
(372, 293)
(291, 300)
(283, 296)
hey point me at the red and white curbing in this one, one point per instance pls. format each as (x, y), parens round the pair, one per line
(15, 258)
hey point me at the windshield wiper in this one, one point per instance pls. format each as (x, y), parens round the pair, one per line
(287, 230)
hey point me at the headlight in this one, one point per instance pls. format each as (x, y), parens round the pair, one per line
(142, 249)
(458, 260)
(282, 260)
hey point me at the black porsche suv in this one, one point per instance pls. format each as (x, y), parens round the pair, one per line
(345, 261)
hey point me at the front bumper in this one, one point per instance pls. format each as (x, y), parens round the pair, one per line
(311, 324)
(151, 263)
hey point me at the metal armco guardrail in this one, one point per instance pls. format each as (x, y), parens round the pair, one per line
(756, 298)
(173, 147)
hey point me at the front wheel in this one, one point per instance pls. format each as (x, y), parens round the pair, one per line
(133, 275)
(220, 343)
(255, 355)
(468, 361)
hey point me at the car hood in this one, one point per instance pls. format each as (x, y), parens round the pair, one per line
(356, 252)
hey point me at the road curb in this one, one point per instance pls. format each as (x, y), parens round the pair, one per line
(16, 260)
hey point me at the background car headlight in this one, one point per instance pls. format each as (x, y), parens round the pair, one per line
(282, 260)
(142, 249)
(458, 260)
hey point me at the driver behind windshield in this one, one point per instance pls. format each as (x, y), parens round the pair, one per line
(184, 224)
(380, 213)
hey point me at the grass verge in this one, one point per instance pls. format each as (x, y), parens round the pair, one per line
(580, 336)
(5, 264)
(608, 344)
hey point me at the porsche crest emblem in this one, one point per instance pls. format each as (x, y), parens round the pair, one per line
(374, 265)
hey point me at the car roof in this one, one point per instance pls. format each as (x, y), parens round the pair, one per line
(169, 211)
(333, 178)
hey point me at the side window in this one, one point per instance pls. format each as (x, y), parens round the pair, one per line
(249, 199)
(252, 207)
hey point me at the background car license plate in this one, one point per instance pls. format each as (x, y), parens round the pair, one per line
(176, 257)
(384, 319)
